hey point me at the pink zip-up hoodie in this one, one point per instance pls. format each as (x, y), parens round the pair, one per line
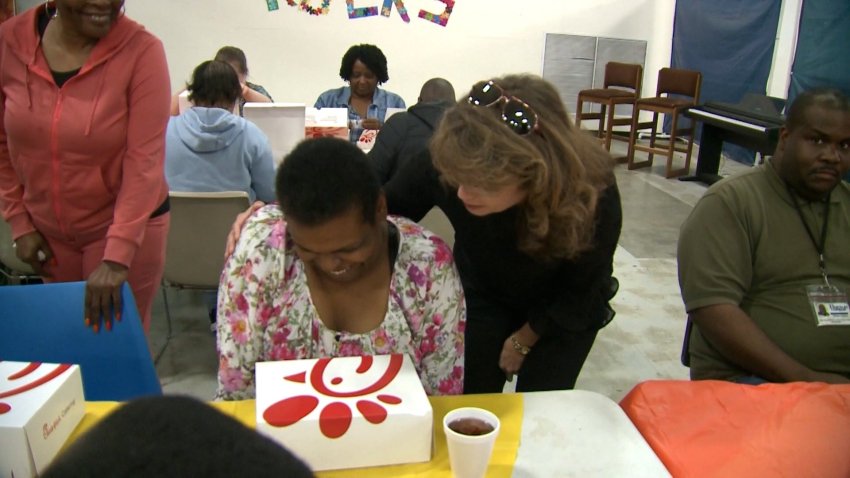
(83, 161)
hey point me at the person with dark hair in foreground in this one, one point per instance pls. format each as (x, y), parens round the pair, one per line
(364, 67)
(407, 134)
(327, 274)
(764, 265)
(173, 436)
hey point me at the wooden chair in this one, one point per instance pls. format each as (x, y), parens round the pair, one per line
(677, 91)
(617, 77)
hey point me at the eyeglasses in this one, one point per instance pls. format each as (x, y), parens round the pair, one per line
(516, 114)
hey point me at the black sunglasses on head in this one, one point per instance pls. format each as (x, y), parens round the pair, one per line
(516, 114)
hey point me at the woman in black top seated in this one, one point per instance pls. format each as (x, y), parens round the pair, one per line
(536, 212)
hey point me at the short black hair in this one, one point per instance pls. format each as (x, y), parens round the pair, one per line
(830, 98)
(214, 83)
(174, 436)
(324, 177)
(231, 54)
(371, 56)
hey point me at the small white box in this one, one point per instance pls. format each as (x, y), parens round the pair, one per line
(40, 405)
(346, 412)
(321, 122)
(282, 123)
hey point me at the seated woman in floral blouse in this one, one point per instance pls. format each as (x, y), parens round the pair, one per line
(337, 277)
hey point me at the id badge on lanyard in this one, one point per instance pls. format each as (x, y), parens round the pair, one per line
(829, 304)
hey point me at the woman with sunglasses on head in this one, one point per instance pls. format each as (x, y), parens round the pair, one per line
(84, 100)
(536, 213)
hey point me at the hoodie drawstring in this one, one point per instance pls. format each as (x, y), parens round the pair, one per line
(101, 81)
(29, 89)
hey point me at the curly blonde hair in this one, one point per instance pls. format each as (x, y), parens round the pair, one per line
(561, 169)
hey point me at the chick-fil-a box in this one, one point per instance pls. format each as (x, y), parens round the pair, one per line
(40, 405)
(346, 412)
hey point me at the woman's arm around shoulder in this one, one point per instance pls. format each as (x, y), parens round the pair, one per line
(251, 276)
(438, 323)
(415, 188)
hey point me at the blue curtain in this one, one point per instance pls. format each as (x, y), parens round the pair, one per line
(731, 42)
(822, 57)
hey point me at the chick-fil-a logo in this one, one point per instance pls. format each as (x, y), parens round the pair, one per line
(27, 371)
(335, 418)
(314, 7)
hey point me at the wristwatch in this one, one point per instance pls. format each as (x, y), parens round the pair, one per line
(522, 349)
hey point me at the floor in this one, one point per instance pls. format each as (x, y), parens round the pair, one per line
(642, 343)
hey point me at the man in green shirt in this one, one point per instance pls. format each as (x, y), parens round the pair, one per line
(764, 259)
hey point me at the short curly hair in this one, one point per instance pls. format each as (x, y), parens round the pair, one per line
(369, 55)
(323, 178)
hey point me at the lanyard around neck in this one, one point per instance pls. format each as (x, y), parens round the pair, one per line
(820, 247)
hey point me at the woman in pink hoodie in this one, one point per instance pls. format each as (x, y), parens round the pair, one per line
(84, 99)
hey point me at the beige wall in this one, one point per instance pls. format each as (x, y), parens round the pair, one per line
(296, 56)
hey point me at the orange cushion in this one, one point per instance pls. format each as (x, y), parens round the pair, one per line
(722, 429)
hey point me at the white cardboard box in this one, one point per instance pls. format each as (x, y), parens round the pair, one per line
(346, 412)
(40, 405)
(282, 123)
(321, 122)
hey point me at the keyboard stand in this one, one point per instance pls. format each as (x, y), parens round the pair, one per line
(717, 129)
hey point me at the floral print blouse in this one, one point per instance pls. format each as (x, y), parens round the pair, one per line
(265, 311)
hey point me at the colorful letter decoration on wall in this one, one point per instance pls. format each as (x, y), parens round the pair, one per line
(441, 19)
(399, 5)
(360, 12)
(363, 12)
(304, 5)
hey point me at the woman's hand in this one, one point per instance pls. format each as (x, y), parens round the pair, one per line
(33, 249)
(371, 123)
(103, 294)
(252, 96)
(511, 359)
(236, 229)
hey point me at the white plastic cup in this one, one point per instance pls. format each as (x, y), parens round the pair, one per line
(469, 455)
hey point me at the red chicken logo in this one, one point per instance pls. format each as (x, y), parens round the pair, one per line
(24, 372)
(335, 418)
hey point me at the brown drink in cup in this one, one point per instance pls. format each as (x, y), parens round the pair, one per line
(470, 436)
(471, 426)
